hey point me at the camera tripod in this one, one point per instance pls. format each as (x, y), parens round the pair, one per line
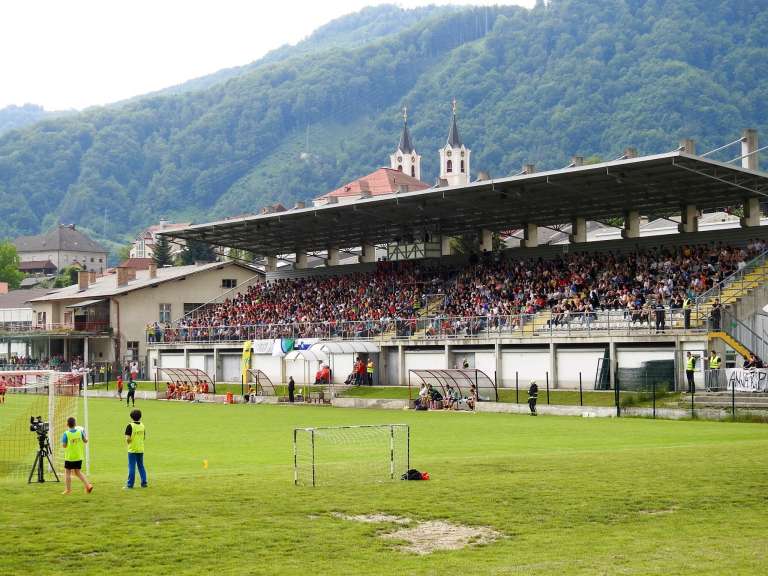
(43, 455)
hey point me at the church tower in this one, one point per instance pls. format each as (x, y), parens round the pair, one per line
(454, 156)
(405, 158)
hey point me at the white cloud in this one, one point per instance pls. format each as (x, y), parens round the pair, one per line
(78, 53)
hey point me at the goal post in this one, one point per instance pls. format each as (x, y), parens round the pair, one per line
(54, 397)
(365, 453)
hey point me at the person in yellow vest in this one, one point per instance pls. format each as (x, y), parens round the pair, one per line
(714, 371)
(369, 369)
(73, 441)
(690, 368)
(134, 437)
(687, 304)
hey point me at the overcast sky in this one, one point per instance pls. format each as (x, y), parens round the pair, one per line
(66, 54)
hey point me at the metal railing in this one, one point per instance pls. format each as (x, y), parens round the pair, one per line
(58, 328)
(744, 335)
(736, 281)
(603, 322)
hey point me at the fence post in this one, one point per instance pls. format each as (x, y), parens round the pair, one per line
(242, 386)
(693, 394)
(495, 385)
(517, 389)
(654, 399)
(617, 393)
(155, 379)
(733, 400)
(547, 387)
(581, 394)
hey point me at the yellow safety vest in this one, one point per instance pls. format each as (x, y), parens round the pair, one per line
(370, 368)
(137, 438)
(690, 364)
(75, 450)
(714, 362)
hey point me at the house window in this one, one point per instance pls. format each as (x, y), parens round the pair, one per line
(462, 166)
(101, 260)
(449, 166)
(399, 167)
(228, 283)
(190, 307)
(133, 349)
(165, 312)
(91, 259)
(413, 171)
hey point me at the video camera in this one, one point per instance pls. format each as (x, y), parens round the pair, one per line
(37, 425)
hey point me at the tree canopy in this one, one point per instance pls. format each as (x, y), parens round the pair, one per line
(9, 265)
(588, 77)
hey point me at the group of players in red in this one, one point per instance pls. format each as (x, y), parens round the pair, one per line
(9, 382)
(185, 391)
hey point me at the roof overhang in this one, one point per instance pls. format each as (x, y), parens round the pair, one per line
(85, 303)
(651, 184)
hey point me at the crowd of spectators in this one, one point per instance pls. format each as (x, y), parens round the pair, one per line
(493, 291)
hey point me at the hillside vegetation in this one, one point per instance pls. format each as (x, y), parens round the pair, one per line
(573, 76)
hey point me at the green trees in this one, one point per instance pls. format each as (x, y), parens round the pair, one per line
(197, 251)
(587, 77)
(162, 252)
(9, 265)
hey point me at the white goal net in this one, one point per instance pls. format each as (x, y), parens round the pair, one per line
(51, 396)
(350, 454)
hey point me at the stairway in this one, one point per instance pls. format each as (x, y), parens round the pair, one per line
(737, 346)
(537, 323)
(723, 400)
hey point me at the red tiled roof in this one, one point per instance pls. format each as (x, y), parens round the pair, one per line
(379, 182)
(137, 263)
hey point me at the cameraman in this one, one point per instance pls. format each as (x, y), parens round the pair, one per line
(73, 441)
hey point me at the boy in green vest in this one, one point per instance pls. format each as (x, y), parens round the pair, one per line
(134, 437)
(131, 397)
(73, 441)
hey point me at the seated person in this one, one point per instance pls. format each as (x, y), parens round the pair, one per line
(423, 399)
(323, 375)
(435, 399)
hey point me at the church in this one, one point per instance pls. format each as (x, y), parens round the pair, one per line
(404, 172)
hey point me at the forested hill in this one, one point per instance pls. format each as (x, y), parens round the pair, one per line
(572, 76)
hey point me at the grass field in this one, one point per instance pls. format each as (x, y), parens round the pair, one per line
(568, 495)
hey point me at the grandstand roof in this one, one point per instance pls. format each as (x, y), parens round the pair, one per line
(651, 184)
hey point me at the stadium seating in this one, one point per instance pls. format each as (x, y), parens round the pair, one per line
(493, 294)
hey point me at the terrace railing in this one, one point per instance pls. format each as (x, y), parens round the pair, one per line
(603, 322)
(737, 284)
(27, 328)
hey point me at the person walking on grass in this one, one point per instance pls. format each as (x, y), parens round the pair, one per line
(131, 396)
(291, 389)
(120, 387)
(134, 437)
(73, 441)
(533, 397)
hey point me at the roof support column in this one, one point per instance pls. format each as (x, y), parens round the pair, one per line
(301, 260)
(631, 224)
(578, 233)
(368, 253)
(749, 147)
(612, 364)
(751, 213)
(447, 357)
(486, 240)
(401, 365)
(333, 256)
(446, 246)
(270, 264)
(689, 219)
(530, 236)
(553, 364)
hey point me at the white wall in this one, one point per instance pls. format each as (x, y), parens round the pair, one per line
(635, 357)
(570, 362)
(486, 362)
(530, 364)
(270, 365)
(230, 368)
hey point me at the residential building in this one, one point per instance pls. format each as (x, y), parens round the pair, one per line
(63, 246)
(144, 245)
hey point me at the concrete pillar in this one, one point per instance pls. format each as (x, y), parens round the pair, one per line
(368, 253)
(301, 260)
(186, 357)
(382, 368)
(497, 363)
(271, 264)
(486, 240)
(8, 356)
(401, 366)
(446, 249)
(748, 149)
(689, 219)
(578, 230)
(631, 224)
(553, 365)
(333, 256)
(751, 213)
(215, 374)
(66, 348)
(530, 236)
(612, 364)
(447, 357)
(688, 146)
(86, 359)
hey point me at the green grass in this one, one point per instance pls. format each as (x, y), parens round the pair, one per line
(570, 496)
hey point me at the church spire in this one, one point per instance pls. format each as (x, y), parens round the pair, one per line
(454, 141)
(405, 145)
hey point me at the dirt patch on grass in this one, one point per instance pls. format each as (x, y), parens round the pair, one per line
(659, 512)
(428, 537)
(372, 518)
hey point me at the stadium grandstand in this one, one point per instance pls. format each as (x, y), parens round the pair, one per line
(511, 276)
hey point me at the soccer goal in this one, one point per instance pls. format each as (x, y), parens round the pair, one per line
(51, 396)
(350, 454)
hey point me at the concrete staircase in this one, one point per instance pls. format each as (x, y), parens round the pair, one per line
(723, 400)
(538, 323)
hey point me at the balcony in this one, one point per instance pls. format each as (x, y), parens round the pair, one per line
(26, 329)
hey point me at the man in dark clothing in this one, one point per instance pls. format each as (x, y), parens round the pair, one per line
(660, 316)
(291, 389)
(690, 367)
(533, 396)
(715, 315)
(131, 397)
